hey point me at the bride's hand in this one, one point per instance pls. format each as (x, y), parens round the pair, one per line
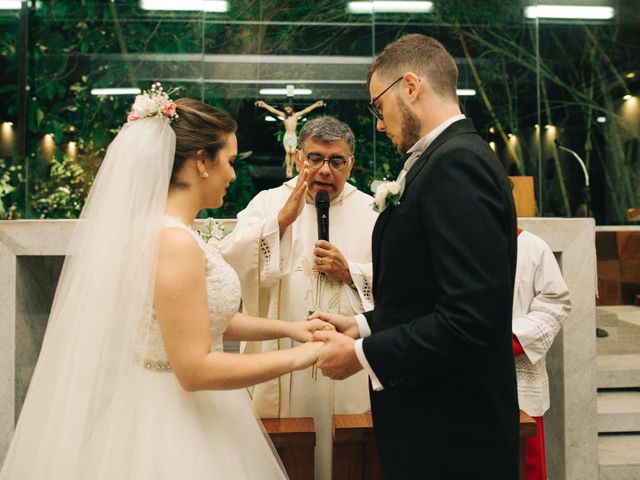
(342, 323)
(302, 331)
(306, 354)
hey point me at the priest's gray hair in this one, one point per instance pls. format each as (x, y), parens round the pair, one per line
(327, 129)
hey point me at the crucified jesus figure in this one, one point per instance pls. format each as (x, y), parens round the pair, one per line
(290, 119)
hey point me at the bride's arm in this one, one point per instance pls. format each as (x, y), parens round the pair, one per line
(180, 302)
(246, 327)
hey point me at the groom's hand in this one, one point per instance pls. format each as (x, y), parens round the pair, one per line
(343, 323)
(338, 358)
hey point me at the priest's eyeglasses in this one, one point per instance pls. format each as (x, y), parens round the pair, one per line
(336, 162)
(372, 104)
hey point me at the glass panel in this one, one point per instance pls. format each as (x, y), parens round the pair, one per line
(520, 100)
(12, 167)
(494, 49)
(587, 68)
(315, 56)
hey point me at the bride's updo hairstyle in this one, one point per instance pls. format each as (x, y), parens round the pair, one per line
(198, 126)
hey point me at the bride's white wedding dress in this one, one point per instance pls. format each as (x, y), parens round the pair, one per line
(103, 403)
(159, 431)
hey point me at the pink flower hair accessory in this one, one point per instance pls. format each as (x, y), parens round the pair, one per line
(154, 102)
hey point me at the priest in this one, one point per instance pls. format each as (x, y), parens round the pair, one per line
(287, 273)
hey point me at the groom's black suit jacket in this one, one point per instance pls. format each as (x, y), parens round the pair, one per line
(444, 263)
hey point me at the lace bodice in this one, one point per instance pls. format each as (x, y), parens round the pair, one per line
(223, 300)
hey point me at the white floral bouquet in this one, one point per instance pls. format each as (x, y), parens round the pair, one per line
(386, 193)
(154, 102)
(212, 232)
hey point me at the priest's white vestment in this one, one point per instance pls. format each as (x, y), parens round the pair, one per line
(279, 280)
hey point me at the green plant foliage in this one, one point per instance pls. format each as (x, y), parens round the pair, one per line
(62, 192)
(12, 182)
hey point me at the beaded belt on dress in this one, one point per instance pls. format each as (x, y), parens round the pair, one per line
(154, 365)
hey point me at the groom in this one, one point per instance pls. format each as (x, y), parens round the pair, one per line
(437, 346)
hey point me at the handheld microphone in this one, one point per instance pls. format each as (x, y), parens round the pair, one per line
(322, 211)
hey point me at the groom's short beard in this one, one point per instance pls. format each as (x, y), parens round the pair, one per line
(410, 128)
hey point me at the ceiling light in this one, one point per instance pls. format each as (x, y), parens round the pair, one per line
(219, 6)
(626, 97)
(10, 4)
(278, 81)
(601, 119)
(389, 7)
(293, 59)
(465, 92)
(284, 91)
(115, 91)
(631, 75)
(569, 12)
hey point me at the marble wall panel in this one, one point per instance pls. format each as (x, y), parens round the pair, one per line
(36, 280)
(570, 423)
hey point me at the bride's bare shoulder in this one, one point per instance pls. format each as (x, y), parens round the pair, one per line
(177, 243)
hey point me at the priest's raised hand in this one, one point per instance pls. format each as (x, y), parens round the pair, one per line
(294, 205)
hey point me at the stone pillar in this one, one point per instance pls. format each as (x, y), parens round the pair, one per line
(570, 424)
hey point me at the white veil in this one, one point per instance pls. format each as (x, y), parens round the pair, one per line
(104, 293)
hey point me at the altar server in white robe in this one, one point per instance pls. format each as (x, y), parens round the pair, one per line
(286, 273)
(541, 304)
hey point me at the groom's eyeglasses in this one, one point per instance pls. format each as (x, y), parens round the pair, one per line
(372, 104)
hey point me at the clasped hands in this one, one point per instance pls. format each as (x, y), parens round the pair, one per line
(337, 358)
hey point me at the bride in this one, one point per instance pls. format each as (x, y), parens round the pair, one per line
(132, 381)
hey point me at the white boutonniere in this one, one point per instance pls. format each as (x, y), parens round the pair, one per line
(386, 193)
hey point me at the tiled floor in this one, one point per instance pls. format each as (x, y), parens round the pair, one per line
(624, 338)
(619, 393)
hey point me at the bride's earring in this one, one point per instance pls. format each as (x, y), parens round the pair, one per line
(204, 175)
